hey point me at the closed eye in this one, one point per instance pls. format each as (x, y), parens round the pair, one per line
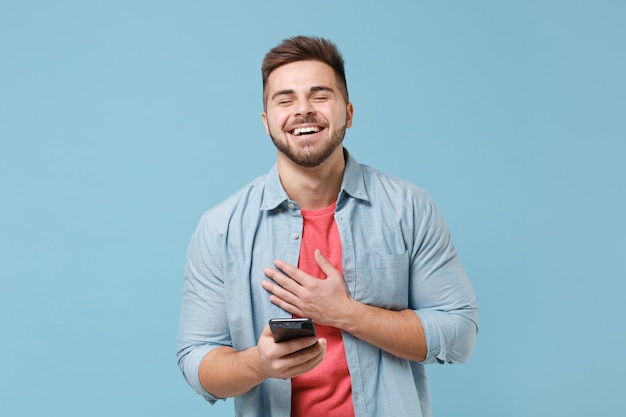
(283, 97)
(320, 98)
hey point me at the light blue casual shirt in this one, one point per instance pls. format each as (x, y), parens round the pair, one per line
(397, 254)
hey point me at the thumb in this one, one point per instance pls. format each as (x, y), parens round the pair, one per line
(324, 264)
(322, 342)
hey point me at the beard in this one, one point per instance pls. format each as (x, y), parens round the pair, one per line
(308, 156)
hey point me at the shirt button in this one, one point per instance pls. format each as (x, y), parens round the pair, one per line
(295, 236)
(291, 206)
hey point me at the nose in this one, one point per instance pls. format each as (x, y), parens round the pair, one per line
(304, 108)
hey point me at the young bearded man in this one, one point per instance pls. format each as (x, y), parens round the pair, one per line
(367, 256)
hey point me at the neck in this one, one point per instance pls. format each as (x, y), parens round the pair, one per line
(312, 188)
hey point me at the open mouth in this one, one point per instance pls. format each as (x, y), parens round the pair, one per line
(303, 131)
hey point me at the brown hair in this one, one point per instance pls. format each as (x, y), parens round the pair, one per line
(305, 48)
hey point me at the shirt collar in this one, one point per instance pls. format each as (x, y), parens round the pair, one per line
(353, 184)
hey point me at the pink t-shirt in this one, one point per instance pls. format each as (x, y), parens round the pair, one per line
(325, 390)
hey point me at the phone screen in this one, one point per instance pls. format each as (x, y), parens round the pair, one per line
(287, 329)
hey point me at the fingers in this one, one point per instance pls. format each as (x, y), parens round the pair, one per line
(295, 357)
(281, 297)
(282, 280)
(286, 288)
(292, 276)
(306, 359)
(286, 306)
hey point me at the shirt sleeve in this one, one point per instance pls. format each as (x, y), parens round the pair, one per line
(203, 322)
(441, 293)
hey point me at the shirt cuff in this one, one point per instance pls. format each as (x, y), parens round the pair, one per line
(434, 324)
(449, 337)
(190, 371)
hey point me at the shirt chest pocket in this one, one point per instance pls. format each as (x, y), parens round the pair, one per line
(383, 280)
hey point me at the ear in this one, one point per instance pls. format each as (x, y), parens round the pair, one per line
(349, 115)
(267, 129)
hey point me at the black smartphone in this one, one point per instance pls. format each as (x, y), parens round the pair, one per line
(287, 329)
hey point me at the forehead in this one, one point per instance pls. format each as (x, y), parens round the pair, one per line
(301, 74)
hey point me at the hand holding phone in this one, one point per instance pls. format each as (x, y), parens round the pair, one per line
(291, 328)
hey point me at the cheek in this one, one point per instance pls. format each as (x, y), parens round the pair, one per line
(336, 116)
(341, 118)
(276, 121)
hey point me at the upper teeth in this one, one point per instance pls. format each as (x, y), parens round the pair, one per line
(299, 131)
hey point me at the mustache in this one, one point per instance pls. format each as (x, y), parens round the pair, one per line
(308, 119)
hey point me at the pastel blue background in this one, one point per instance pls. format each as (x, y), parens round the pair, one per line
(122, 121)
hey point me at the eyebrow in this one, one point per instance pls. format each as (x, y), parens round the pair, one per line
(313, 89)
(322, 88)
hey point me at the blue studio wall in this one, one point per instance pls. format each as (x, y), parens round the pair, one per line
(121, 122)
